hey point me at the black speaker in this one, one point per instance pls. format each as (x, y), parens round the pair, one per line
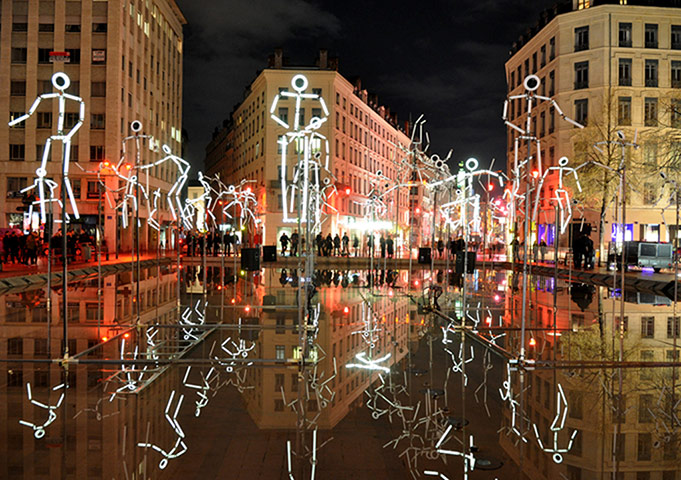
(424, 255)
(269, 253)
(250, 259)
(470, 263)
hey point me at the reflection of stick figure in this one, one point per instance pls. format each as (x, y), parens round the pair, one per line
(557, 425)
(179, 448)
(39, 430)
(61, 82)
(561, 195)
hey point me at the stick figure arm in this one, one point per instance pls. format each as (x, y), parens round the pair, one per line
(81, 115)
(565, 117)
(579, 187)
(31, 111)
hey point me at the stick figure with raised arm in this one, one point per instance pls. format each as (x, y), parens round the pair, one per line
(561, 195)
(557, 425)
(130, 173)
(183, 167)
(61, 82)
(309, 143)
(179, 448)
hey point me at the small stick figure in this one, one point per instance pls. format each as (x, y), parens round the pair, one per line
(560, 195)
(39, 430)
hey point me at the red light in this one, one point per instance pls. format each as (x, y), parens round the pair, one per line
(490, 187)
(233, 301)
(533, 342)
(106, 164)
(346, 310)
(390, 293)
(126, 335)
(418, 210)
(535, 173)
(497, 298)
(488, 321)
(219, 287)
(347, 190)
(104, 339)
(248, 189)
(128, 166)
(247, 308)
(416, 283)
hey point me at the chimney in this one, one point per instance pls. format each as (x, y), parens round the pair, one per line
(323, 59)
(278, 58)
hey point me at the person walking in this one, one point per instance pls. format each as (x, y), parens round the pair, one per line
(355, 244)
(336, 246)
(542, 250)
(319, 241)
(381, 242)
(346, 242)
(284, 240)
(294, 243)
(328, 245)
(390, 246)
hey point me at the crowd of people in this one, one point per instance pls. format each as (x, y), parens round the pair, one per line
(26, 248)
(337, 246)
(215, 243)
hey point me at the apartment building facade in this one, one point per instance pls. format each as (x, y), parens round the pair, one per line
(125, 61)
(363, 138)
(613, 66)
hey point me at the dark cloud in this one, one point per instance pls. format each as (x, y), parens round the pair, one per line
(441, 58)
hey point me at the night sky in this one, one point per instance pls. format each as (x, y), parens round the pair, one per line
(444, 59)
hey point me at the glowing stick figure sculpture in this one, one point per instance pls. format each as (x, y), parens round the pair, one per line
(202, 389)
(507, 395)
(557, 425)
(179, 448)
(309, 145)
(39, 430)
(183, 167)
(61, 82)
(561, 195)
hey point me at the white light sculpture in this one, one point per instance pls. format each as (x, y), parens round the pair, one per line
(313, 154)
(459, 361)
(557, 426)
(394, 405)
(468, 458)
(369, 364)
(129, 174)
(521, 168)
(128, 375)
(203, 388)
(370, 329)
(61, 82)
(179, 448)
(39, 430)
(97, 411)
(192, 334)
(507, 395)
(173, 196)
(561, 194)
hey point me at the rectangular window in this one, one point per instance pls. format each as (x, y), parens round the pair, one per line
(96, 153)
(552, 83)
(582, 111)
(552, 48)
(618, 446)
(70, 119)
(676, 37)
(14, 116)
(648, 323)
(99, 57)
(15, 185)
(44, 55)
(581, 38)
(534, 62)
(280, 352)
(17, 152)
(581, 75)
(542, 56)
(624, 326)
(74, 55)
(18, 88)
(650, 154)
(673, 327)
(552, 119)
(44, 120)
(644, 446)
(19, 55)
(676, 74)
(20, 27)
(99, 27)
(625, 35)
(72, 28)
(98, 89)
(97, 121)
(651, 73)
(92, 190)
(15, 346)
(624, 111)
(650, 35)
(650, 112)
(624, 72)
(676, 112)
(526, 68)
(278, 382)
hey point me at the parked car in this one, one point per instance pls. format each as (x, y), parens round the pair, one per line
(641, 254)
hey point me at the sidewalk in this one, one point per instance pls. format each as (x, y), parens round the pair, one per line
(19, 269)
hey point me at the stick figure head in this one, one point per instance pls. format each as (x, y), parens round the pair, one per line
(531, 83)
(472, 164)
(166, 149)
(136, 126)
(299, 83)
(563, 161)
(61, 81)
